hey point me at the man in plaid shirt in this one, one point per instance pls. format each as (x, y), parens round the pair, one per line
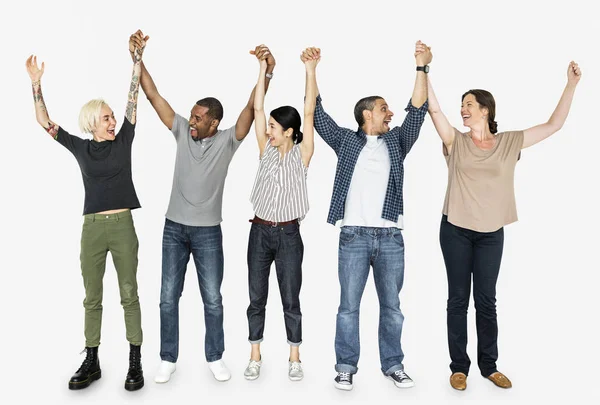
(367, 204)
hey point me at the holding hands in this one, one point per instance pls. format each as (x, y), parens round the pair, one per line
(264, 56)
(423, 54)
(137, 43)
(311, 57)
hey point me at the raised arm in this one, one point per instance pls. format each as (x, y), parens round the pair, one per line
(244, 122)
(557, 119)
(417, 108)
(307, 146)
(132, 97)
(41, 112)
(260, 121)
(325, 126)
(161, 106)
(423, 57)
(440, 122)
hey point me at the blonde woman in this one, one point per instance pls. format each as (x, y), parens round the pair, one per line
(105, 163)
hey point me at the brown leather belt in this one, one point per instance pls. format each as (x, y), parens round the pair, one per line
(257, 220)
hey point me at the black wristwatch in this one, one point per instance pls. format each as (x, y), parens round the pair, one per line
(423, 68)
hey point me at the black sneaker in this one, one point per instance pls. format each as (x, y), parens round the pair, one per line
(343, 381)
(401, 379)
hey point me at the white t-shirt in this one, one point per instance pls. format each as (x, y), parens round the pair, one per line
(366, 195)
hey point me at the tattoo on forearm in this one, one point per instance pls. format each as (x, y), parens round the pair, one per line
(38, 98)
(131, 110)
(52, 129)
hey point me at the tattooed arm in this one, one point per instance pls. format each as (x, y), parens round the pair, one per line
(41, 112)
(131, 111)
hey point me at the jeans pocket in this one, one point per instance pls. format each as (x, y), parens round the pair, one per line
(397, 237)
(292, 229)
(347, 236)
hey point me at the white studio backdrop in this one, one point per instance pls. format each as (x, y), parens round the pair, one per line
(547, 290)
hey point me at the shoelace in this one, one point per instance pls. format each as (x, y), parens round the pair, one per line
(135, 360)
(401, 374)
(344, 377)
(295, 366)
(87, 362)
(254, 365)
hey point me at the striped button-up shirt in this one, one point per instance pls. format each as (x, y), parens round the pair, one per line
(348, 144)
(279, 193)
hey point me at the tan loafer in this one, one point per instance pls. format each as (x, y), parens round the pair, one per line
(500, 380)
(458, 381)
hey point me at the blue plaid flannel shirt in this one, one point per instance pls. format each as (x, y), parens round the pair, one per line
(348, 144)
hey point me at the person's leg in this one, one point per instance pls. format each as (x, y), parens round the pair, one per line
(457, 248)
(260, 257)
(123, 246)
(288, 262)
(207, 249)
(94, 247)
(486, 266)
(354, 255)
(175, 257)
(388, 274)
(93, 262)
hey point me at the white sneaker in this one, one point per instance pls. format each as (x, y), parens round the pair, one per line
(295, 372)
(219, 370)
(252, 372)
(164, 372)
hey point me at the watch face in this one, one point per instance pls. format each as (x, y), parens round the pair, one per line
(426, 70)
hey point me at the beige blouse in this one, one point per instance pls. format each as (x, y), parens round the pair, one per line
(481, 193)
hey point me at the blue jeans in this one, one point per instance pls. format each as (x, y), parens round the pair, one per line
(359, 248)
(205, 243)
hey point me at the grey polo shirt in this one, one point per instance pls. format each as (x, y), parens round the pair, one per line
(199, 177)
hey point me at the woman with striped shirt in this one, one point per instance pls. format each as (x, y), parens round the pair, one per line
(280, 201)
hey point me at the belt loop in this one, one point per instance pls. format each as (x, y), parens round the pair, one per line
(117, 215)
(93, 217)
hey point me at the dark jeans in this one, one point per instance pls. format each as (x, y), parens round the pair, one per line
(359, 249)
(282, 244)
(205, 243)
(469, 252)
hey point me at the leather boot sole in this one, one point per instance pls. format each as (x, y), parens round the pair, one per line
(79, 385)
(134, 386)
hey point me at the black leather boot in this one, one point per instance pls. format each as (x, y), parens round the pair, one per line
(88, 372)
(135, 375)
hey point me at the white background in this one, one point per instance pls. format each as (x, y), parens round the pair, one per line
(547, 290)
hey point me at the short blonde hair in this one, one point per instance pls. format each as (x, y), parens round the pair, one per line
(89, 116)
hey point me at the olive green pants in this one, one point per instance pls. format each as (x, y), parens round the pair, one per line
(112, 233)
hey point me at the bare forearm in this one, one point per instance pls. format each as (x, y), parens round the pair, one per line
(419, 95)
(559, 116)
(147, 83)
(434, 105)
(132, 97)
(259, 91)
(41, 112)
(311, 93)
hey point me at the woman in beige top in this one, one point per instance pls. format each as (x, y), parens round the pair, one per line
(479, 203)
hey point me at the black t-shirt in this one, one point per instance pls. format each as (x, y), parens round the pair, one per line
(105, 168)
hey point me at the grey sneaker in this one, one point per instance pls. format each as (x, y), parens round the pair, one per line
(401, 379)
(295, 372)
(252, 372)
(343, 381)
